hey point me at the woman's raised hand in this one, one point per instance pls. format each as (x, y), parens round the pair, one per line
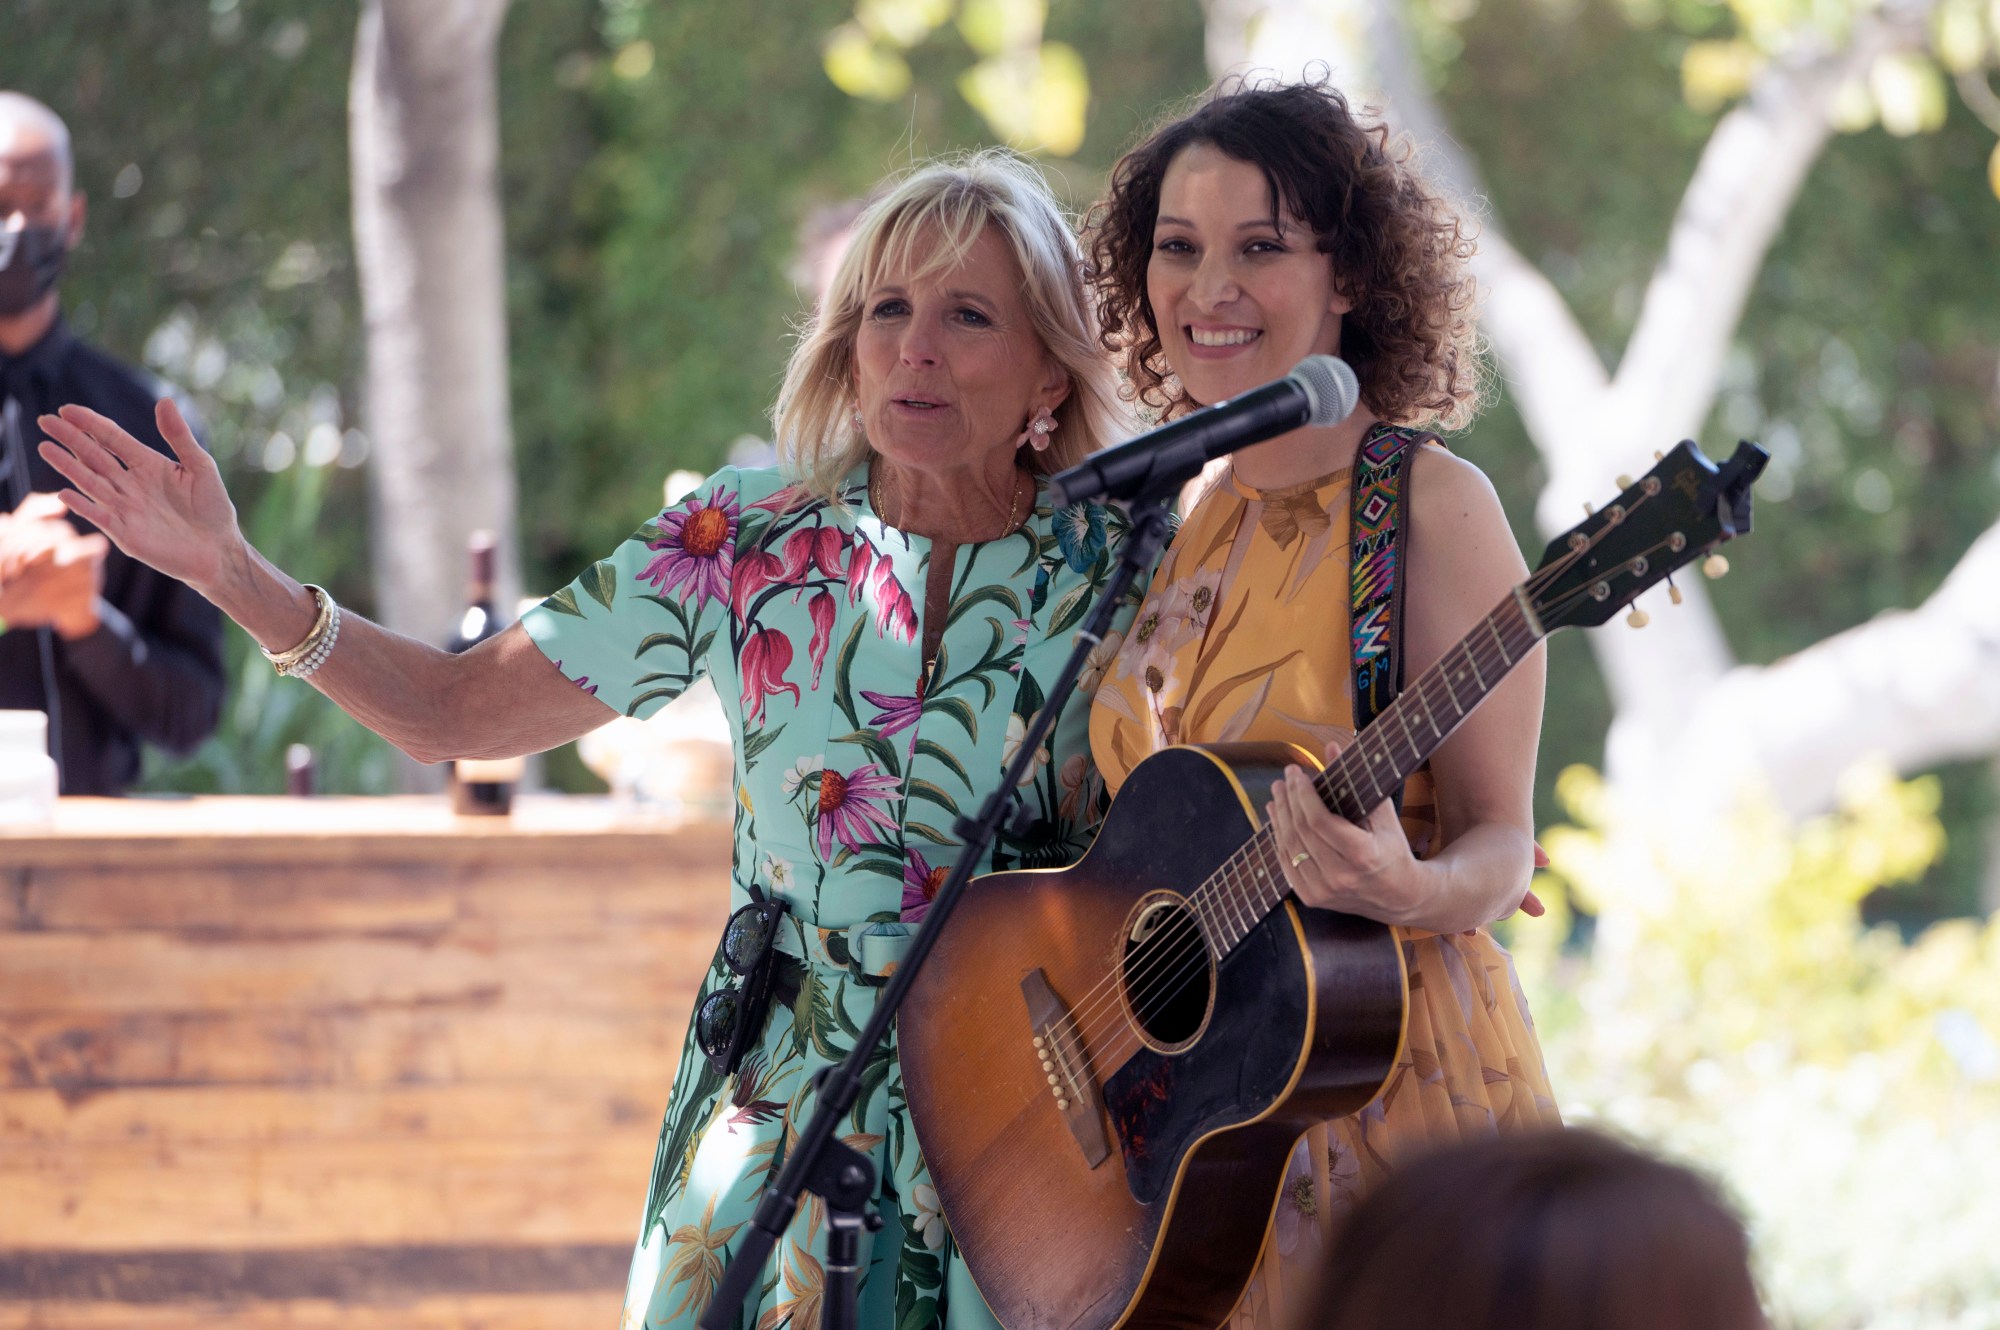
(174, 515)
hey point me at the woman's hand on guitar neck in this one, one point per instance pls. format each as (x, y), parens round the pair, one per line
(1332, 864)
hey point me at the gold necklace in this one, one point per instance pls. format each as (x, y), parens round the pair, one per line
(1013, 502)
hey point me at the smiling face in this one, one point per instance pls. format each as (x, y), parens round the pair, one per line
(948, 368)
(1240, 295)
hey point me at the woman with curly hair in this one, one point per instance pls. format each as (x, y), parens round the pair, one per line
(1267, 225)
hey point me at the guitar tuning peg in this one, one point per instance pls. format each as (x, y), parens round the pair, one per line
(1589, 511)
(1714, 566)
(1659, 456)
(1638, 618)
(1673, 592)
(1624, 482)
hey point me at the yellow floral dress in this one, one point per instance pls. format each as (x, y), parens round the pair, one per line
(1243, 636)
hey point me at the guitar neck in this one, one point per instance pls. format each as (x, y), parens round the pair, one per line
(1382, 757)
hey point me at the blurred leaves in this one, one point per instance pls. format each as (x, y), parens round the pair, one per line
(863, 66)
(1717, 72)
(1733, 1007)
(1909, 94)
(1033, 94)
(1034, 99)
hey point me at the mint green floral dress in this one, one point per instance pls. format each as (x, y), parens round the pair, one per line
(849, 775)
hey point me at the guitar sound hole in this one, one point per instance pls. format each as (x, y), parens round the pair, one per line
(1167, 974)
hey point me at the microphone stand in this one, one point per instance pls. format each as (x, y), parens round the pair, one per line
(820, 1161)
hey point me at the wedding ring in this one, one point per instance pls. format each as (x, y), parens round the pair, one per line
(1300, 858)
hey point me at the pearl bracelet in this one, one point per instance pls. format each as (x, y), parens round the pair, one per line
(304, 669)
(319, 640)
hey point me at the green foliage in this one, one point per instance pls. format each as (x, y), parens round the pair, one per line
(1844, 1083)
(661, 160)
(1866, 359)
(211, 142)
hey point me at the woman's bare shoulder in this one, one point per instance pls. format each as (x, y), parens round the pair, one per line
(1446, 486)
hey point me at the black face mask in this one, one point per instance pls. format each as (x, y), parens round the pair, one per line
(31, 261)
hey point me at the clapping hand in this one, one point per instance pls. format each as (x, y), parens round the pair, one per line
(172, 514)
(50, 574)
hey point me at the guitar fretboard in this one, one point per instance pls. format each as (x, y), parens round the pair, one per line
(1251, 882)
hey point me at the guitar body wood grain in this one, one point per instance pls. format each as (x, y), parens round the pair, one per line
(1304, 1022)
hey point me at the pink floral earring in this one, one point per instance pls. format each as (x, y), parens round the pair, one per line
(1036, 436)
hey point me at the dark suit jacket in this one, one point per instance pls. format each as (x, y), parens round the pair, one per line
(152, 673)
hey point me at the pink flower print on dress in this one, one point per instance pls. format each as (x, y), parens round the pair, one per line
(696, 548)
(582, 681)
(766, 657)
(851, 806)
(894, 713)
(858, 568)
(819, 548)
(894, 613)
(820, 607)
(920, 885)
(755, 570)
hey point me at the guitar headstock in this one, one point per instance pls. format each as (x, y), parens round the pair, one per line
(1674, 514)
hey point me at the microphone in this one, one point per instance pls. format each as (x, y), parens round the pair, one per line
(1320, 391)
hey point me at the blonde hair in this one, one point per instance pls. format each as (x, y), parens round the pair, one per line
(925, 224)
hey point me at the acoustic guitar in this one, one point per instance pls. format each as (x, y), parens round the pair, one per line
(1116, 1058)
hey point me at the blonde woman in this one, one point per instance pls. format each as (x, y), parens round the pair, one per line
(880, 619)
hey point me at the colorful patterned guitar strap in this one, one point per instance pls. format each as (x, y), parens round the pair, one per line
(1376, 540)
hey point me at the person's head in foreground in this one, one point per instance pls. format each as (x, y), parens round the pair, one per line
(1555, 1230)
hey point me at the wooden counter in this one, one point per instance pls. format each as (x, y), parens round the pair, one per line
(280, 1062)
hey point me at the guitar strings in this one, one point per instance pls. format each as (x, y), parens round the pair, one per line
(1149, 996)
(1006, 1152)
(1211, 901)
(1097, 1002)
(1257, 862)
(1159, 976)
(1144, 975)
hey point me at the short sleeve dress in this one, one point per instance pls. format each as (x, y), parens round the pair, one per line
(1244, 637)
(849, 773)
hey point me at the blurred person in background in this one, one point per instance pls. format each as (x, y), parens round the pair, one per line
(1550, 1230)
(115, 653)
(880, 617)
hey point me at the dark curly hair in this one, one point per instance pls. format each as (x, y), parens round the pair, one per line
(1397, 246)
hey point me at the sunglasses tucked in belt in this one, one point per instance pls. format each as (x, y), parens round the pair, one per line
(730, 1019)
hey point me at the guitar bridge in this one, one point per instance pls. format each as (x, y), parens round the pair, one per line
(1067, 1067)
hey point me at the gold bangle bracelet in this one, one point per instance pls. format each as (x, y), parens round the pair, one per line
(283, 661)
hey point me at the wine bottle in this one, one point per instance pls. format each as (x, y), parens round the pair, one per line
(480, 787)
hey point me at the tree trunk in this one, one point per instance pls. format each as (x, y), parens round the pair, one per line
(424, 125)
(1684, 712)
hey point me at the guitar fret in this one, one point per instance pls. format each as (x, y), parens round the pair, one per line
(1445, 675)
(1269, 876)
(1466, 651)
(1238, 926)
(1429, 717)
(1374, 786)
(1416, 749)
(1210, 921)
(1498, 641)
(1239, 903)
(1218, 920)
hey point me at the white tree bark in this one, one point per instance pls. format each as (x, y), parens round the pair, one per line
(1684, 713)
(424, 145)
